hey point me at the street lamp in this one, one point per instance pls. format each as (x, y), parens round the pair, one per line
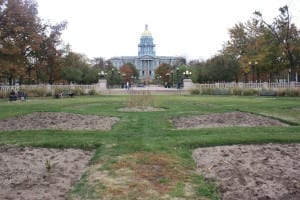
(168, 80)
(172, 74)
(101, 74)
(112, 77)
(187, 73)
(252, 64)
(177, 76)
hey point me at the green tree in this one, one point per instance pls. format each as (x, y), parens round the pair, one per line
(71, 74)
(285, 33)
(50, 52)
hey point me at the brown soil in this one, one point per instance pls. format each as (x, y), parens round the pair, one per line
(269, 171)
(57, 120)
(39, 173)
(229, 119)
(241, 172)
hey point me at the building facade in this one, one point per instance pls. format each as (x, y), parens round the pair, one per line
(146, 62)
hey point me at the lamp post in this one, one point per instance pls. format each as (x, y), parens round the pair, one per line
(172, 74)
(101, 74)
(168, 80)
(32, 61)
(252, 64)
(112, 77)
(187, 73)
(177, 76)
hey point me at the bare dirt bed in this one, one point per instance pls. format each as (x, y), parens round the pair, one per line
(229, 119)
(241, 172)
(269, 171)
(39, 173)
(57, 120)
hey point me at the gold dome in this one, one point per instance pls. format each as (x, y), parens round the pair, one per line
(146, 32)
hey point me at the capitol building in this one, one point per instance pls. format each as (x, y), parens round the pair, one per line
(146, 62)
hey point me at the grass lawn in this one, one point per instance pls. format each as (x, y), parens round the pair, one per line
(148, 141)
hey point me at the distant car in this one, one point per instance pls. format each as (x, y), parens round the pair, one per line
(140, 85)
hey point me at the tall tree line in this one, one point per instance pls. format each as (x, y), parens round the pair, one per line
(257, 51)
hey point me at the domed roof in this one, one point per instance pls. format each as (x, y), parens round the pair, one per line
(146, 32)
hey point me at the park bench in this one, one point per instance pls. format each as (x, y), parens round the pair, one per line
(67, 94)
(17, 96)
(269, 93)
(63, 94)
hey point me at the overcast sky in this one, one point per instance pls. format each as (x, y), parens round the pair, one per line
(194, 29)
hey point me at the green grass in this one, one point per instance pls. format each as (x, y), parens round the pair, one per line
(152, 131)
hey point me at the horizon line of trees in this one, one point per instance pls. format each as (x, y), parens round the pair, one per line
(257, 51)
(32, 51)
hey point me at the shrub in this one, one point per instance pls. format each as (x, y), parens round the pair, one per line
(208, 91)
(4, 94)
(281, 93)
(92, 92)
(194, 91)
(78, 91)
(250, 92)
(293, 92)
(236, 91)
(219, 91)
(57, 92)
(34, 92)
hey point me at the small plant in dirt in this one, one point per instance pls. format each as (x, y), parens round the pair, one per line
(49, 165)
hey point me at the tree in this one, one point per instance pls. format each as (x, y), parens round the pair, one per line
(76, 68)
(20, 37)
(71, 74)
(126, 72)
(28, 47)
(99, 63)
(49, 54)
(163, 70)
(287, 36)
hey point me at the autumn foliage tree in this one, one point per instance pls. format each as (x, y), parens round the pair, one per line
(20, 37)
(274, 47)
(28, 48)
(164, 71)
(128, 71)
(286, 35)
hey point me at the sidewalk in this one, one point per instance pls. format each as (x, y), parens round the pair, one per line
(153, 89)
